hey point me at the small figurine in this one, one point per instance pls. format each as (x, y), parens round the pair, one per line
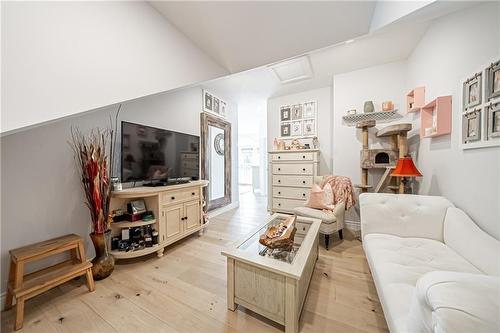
(315, 142)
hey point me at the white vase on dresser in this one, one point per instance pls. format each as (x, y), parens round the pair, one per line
(291, 175)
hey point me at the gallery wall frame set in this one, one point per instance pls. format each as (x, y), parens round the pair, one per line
(480, 114)
(213, 104)
(298, 120)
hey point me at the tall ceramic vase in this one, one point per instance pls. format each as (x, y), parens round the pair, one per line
(103, 263)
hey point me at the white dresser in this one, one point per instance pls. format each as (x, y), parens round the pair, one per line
(291, 174)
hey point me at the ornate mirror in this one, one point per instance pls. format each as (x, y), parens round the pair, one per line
(216, 160)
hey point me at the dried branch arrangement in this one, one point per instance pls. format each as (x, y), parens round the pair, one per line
(94, 161)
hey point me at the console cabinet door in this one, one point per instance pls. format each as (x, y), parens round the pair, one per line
(173, 219)
(192, 210)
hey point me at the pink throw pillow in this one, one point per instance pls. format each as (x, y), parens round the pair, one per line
(317, 197)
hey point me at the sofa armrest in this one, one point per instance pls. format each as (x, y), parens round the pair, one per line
(403, 215)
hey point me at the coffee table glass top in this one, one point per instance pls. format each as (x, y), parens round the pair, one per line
(252, 244)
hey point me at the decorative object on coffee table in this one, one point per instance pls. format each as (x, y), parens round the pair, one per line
(94, 157)
(280, 235)
(406, 169)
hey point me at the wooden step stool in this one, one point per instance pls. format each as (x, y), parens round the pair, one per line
(24, 287)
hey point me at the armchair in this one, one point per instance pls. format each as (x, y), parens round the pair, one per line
(331, 221)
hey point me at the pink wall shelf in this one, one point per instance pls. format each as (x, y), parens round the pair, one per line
(435, 118)
(415, 99)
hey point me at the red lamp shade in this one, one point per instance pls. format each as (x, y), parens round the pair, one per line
(406, 168)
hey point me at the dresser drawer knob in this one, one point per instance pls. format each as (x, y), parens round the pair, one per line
(303, 182)
(279, 192)
(303, 194)
(192, 193)
(279, 204)
(279, 169)
(303, 169)
(279, 157)
(279, 180)
(303, 156)
(303, 228)
(173, 198)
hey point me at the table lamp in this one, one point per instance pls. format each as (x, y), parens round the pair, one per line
(405, 169)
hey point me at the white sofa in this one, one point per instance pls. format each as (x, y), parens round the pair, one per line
(434, 269)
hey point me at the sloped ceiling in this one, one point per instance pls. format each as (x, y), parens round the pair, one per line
(241, 35)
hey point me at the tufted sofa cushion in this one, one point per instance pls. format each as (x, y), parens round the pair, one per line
(397, 263)
(455, 302)
(403, 215)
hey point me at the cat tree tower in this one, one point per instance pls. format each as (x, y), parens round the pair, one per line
(383, 158)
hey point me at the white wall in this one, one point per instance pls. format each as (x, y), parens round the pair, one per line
(61, 58)
(453, 48)
(350, 91)
(41, 196)
(324, 115)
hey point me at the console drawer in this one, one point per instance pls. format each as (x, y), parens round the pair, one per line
(291, 192)
(292, 169)
(300, 181)
(293, 156)
(302, 228)
(179, 196)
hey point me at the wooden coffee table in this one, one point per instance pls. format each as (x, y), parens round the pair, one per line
(273, 283)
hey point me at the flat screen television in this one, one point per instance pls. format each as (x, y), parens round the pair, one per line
(158, 155)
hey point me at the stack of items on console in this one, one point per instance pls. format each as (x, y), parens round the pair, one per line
(135, 237)
(434, 269)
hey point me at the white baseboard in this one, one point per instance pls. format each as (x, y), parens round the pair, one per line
(218, 211)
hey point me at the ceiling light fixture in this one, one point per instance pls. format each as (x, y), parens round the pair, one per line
(293, 70)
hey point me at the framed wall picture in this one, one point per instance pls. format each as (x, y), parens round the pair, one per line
(297, 112)
(309, 110)
(471, 126)
(285, 129)
(296, 128)
(493, 120)
(207, 101)
(285, 113)
(493, 81)
(216, 105)
(223, 108)
(309, 127)
(472, 91)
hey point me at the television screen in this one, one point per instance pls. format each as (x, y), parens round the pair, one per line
(150, 153)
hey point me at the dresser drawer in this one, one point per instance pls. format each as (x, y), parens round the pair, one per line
(301, 193)
(300, 181)
(293, 169)
(286, 204)
(179, 196)
(302, 228)
(293, 156)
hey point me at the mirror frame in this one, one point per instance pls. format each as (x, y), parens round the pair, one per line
(210, 120)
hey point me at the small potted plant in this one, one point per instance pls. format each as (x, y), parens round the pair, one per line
(93, 155)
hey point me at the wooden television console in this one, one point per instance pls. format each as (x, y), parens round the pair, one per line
(178, 212)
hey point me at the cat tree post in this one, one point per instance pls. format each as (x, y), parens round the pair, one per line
(364, 126)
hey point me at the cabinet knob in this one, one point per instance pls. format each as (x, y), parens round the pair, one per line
(279, 204)
(303, 182)
(279, 169)
(303, 169)
(303, 194)
(303, 156)
(192, 193)
(279, 157)
(279, 192)
(173, 198)
(279, 180)
(303, 228)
